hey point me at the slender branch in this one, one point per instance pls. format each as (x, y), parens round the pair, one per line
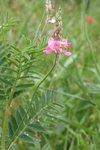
(4, 129)
(38, 84)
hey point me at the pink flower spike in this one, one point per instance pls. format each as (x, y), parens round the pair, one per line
(57, 47)
(67, 53)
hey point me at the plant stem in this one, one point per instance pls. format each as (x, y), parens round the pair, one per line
(4, 129)
(6, 115)
(38, 84)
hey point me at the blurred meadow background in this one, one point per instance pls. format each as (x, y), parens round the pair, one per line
(63, 113)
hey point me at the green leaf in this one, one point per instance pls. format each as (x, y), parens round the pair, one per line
(36, 103)
(15, 48)
(36, 127)
(10, 129)
(14, 123)
(6, 81)
(23, 86)
(2, 97)
(27, 138)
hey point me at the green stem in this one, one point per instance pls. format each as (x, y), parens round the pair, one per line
(38, 84)
(6, 116)
(4, 129)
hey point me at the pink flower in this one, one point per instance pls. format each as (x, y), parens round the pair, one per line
(57, 47)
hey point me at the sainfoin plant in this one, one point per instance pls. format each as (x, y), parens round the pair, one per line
(45, 99)
(23, 121)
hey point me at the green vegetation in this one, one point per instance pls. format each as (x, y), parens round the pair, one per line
(47, 104)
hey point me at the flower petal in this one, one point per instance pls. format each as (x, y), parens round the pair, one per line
(47, 51)
(65, 43)
(67, 53)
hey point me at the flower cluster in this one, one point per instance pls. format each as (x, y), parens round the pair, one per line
(56, 44)
(57, 47)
